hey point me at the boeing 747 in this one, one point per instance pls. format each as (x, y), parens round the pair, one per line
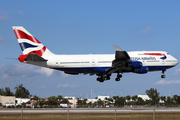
(102, 65)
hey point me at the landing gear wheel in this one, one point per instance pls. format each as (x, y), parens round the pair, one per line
(108, 78)
(163, 76)
(100, 79)
(103, 77)
(117, 79)
(119, 76)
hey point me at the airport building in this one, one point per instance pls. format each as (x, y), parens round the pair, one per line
(7, 100)
(144, 97)
(91, 100)
(102, 97)
(73, 103)
(69, 97)
(21, 100)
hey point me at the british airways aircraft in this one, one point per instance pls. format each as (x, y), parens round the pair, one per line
(102, 65)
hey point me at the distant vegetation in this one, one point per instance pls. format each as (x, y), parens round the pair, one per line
(21, 92)
(115, 101)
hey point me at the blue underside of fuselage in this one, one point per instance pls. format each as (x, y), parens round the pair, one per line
(103, 69)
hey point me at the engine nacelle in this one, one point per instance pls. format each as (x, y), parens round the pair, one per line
(143, 70)
(135, 64)
(22, 58)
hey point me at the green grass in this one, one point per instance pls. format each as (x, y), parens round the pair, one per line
(92, 116)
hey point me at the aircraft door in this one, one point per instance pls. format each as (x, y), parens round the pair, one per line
(57, 63)
(163, 62)
(93, 62)
(143, 62)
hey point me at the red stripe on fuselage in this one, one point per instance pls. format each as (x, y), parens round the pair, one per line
(157, 54)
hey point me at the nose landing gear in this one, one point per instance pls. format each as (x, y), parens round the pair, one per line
(163, 76)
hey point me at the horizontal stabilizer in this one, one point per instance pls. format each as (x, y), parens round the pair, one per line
(35, 57)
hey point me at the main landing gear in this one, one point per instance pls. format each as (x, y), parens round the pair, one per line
(118, 77)
(163, 76)
(102, 78)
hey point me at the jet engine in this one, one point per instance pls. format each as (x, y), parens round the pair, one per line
(134, 65)
(143, 70)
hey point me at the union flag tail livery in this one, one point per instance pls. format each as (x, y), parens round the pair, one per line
(102, 65)
(29, 44)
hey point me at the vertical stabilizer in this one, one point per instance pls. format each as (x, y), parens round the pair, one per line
(29, 44)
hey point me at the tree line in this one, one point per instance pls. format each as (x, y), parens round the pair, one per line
(54, 101)
(117, 101)
(20, 92)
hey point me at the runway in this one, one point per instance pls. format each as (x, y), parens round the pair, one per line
(81, 110)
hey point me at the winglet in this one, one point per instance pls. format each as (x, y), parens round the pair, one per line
(117, 48)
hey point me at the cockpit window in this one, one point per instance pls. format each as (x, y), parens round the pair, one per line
(167, 53)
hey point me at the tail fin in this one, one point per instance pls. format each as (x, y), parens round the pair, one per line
(29, 44)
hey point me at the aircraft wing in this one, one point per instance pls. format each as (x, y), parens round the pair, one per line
(121, 58)
(120, 54)
(35, 57)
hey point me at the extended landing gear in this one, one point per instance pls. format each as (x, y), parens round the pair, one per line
(163, 76)
(102, 78)
(118, 77)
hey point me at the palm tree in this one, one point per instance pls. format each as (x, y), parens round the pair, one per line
(153, 94)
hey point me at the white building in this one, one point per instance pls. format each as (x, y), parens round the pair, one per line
(144, 97)
(69, 97)
(22, 100)
(93, 100)
(102, 97)
(7, 100)
(161, 101)
(73, 102)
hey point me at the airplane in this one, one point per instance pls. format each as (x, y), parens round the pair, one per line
(102, 65)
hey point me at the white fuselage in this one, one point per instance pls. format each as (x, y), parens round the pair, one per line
(101, 62)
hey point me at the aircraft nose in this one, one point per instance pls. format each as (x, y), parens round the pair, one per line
(176, 62)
